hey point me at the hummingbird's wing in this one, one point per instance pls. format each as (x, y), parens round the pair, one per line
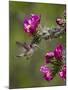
(24, 45)
(21, 50)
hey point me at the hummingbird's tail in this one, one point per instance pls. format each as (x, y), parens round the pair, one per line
(20, 55)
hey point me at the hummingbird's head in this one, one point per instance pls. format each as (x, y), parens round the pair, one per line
(34, 46)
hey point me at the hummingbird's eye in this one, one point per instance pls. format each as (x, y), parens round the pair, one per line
(31, 45)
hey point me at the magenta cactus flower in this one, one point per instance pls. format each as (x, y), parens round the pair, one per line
(58, 52)
(49, 56)
(47, 72)
(62, 73)
(30, 24)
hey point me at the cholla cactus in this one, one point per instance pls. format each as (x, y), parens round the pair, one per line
(56, 57)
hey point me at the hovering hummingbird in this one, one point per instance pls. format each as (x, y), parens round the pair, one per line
(26, 49)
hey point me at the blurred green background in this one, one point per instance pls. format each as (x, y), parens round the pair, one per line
(22, 72)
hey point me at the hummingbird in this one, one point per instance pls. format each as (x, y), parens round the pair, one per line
(26, 50)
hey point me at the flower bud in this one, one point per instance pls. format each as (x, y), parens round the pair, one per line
(60, 21)
(62, 73)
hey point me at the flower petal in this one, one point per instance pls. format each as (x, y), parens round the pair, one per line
(58, 52)
(49, 56)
